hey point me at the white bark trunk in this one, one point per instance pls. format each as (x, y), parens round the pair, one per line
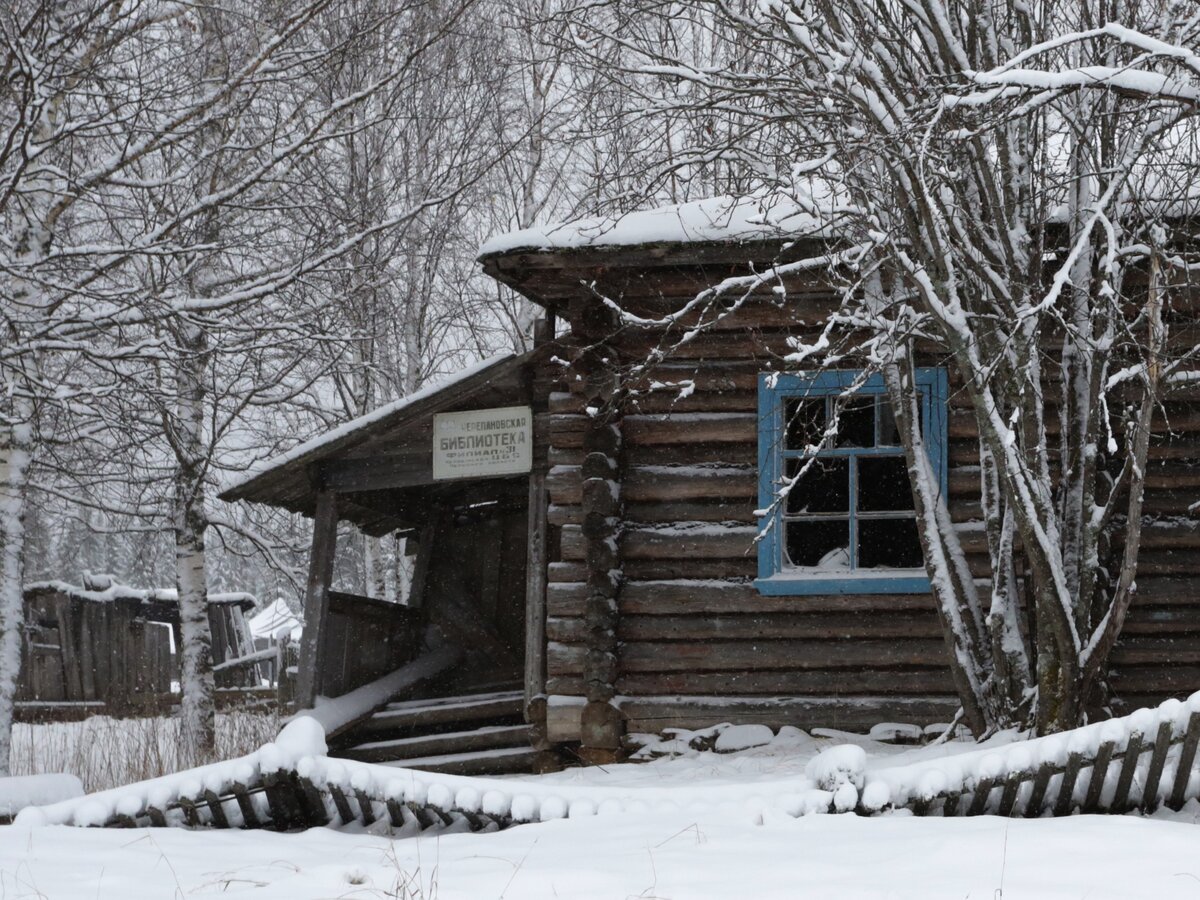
(16, 453)
(190, 521)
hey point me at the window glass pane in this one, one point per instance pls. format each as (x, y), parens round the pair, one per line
(806, 422)
(888, 433)
(821, 544)
(883, 484)
(889, 544)
(824, 488)
(856, 423)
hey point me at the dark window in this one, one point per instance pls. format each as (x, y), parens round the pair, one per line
(830, 443)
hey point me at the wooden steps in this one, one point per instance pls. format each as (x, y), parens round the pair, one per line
(489, 737)
(444, 711)
(470, 734)
(504, 761)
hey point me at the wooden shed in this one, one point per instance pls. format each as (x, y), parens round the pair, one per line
(107, 649)
(617, 581)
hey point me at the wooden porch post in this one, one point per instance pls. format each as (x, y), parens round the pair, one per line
(316, 599)
(535, 592)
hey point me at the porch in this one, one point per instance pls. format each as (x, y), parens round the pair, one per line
(448, 679)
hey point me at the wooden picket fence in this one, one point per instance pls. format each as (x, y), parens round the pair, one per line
(1141, 762)
(1120, 775)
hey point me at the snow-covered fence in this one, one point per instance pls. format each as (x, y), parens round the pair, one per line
(1143, 761)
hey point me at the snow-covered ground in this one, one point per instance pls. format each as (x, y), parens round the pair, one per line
(674, 855)
(699, 852)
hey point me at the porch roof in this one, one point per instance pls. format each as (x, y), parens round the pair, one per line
(389, 447)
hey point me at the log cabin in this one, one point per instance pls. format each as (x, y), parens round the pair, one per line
(608, 582)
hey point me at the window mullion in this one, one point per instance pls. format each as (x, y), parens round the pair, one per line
(853, 467)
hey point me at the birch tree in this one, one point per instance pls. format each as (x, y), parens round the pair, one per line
(135, 194)
(1004, 183)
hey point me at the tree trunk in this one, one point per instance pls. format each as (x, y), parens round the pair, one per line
(16, 453)
(190, 521)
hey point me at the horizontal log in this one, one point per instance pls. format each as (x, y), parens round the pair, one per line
(691, 428)
(1172, 501)
(719, 510)
(673, 483)
(834, 683)
(565, 659)
(570, 685)
(1164, 681)
(1166, 591)
(687, 597)
(652, 715)
(700, 453)
(562, 721)
(566, 572)
(709, 376)
(757, 626)
(767, 653)
(662, 491)
(567, 431)
(1172, 534)
(565, 456)
(1175, 447)
(564, 484)
(780, 626)
(1153, 562)
(566, 403)
(1146, 620)
(571, 514)
(679, 541)
(665, 402)
(1134, 650)
(661, 569)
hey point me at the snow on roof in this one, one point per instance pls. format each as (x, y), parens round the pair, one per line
(346, 429)
(116, 591)
(276, 617)
(759, 216)
(816, 210)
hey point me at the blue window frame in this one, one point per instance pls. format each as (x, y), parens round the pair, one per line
(846, 525)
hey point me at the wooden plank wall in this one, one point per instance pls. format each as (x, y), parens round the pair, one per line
(80, 651)
(699, 645)
(365, 639)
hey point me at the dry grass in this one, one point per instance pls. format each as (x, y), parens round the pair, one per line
(107, 753)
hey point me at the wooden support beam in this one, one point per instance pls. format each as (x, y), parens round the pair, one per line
(316, 599)
(535, 591)
(426, 546)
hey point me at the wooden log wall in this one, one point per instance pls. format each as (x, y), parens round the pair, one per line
(697, 643)
(601, 535)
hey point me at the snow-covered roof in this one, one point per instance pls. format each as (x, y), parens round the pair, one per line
(277, 617)
(817, 209)
(400, 431)
(757, 217)
(348, 430)
(116, 591)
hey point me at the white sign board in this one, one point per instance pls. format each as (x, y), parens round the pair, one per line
(483, 442)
